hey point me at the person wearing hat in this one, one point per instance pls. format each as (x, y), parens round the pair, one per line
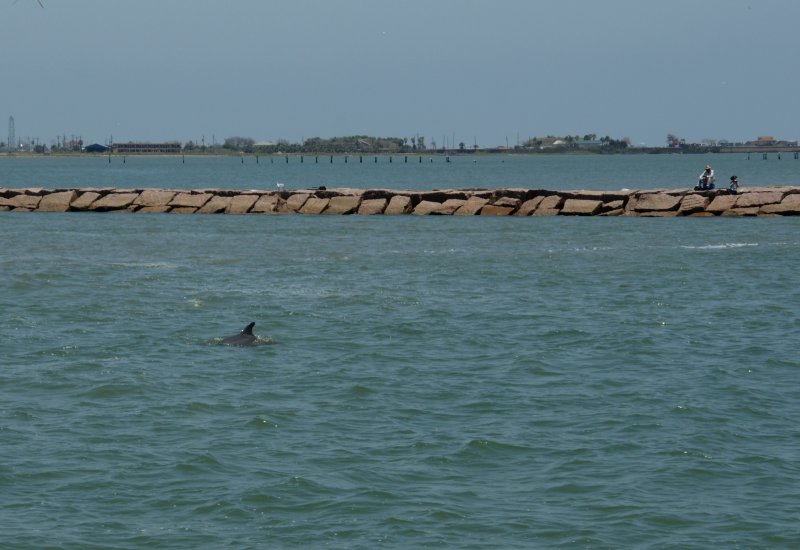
(706, 180)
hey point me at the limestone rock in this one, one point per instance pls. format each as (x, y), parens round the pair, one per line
(450, 206)
(372, 206)
(314, 205)
(551, 202)
(747, 200)
(654, 202)
(425, 208)
(57, 202)
(659, 214)
(581, 207)
(550, 206)
(294, 203)
(471, 206)
(611, 206)
(344, 204)
(25, 201)
(114, 201)
(494, 210)
(721, 203)
(183, 210)
(190, 200)
(511, 202)
(84, 200)
(215, 205)
(154, 197)
(399, 204)
(241, 204)
(153, 209)
(693, 203)
(267, 204)
(789, 206)
(749, 211)
(527, 207)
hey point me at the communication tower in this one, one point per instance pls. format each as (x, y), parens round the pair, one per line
(12, 138)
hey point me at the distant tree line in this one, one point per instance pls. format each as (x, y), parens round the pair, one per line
(334, 145)
(587, 142)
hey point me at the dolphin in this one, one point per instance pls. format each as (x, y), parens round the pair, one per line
(244, 338)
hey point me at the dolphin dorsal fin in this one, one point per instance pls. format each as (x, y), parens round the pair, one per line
(248, 329)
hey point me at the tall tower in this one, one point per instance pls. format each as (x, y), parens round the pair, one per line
(12, 138)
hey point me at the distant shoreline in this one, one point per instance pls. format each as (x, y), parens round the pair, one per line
(456, 153)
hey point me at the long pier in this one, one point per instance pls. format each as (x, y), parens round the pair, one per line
(749, 201)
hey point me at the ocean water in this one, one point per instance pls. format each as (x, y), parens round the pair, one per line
(556, 172)
(438, 382)
(432, 382)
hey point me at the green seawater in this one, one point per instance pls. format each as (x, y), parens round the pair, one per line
(432, 382)
(557, 172)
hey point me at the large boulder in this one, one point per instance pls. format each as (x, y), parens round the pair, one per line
(371, 207)
(451, 206)
(789, 206)
(550, 206)
(495, 210)
(22, 201)
(581, 207)
(425, 208)
(529, 206)
(654, 202)
(57, 202)
(154, 197)
(511, 202)
(114, 201)
(471, 206)
(190, 200)
(759, 198)
(613, 206)
(693, 203)
(294, 203)
(347, 204)
(267, 204)
(241, 204)
(399, 204)
(314, 205)
(722, 203)
(215, 205)
(84, 200)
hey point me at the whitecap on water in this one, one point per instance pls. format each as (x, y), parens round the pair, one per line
(717, 246)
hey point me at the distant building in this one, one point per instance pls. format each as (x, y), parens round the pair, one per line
(142, 148)
(765, 141)
(769, 141)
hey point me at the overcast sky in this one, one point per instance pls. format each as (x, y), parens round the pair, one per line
(479, 70)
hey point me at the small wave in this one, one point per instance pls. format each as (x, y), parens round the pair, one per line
(145, 265)
(717, 246)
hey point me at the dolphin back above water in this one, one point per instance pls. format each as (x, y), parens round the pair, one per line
(244, 338)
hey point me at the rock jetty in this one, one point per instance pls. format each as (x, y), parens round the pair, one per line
(751, 201)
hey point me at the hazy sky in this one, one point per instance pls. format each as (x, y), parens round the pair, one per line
(482, 70)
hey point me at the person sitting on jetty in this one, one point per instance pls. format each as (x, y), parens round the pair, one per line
(734, 185)
(706, 180)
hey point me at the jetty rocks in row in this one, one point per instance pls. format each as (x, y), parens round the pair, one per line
(756, 201)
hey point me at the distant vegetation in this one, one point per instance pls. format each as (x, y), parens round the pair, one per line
(362, 144)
